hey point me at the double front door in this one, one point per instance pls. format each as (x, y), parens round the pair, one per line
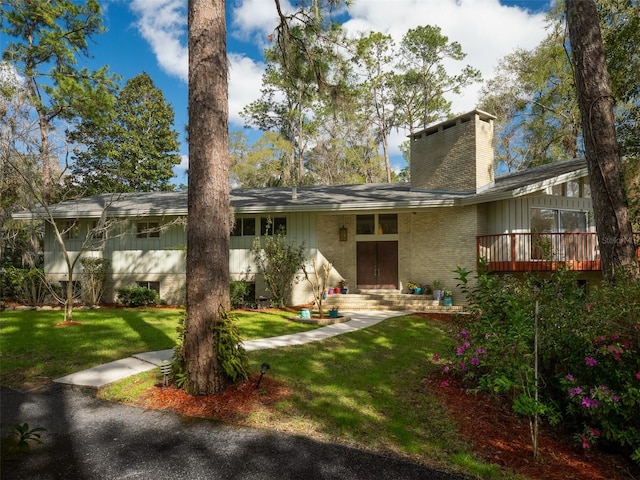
(377, 265)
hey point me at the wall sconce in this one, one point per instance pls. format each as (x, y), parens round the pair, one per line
(343, 233)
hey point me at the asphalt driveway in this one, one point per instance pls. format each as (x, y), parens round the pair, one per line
(88, 438)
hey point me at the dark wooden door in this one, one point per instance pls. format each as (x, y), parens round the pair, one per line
(377, 265)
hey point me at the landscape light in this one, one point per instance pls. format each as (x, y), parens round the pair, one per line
(263, 369)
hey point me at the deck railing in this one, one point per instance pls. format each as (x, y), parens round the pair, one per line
(521, 252)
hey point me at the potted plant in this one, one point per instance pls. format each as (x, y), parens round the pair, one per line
(411, 287)
(333, 313)
(436, 286)
(447, 300)
(343, 286)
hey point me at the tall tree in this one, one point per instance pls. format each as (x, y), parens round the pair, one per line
(374, 53)
(423, 81)
(533, 97)
(133, 149)
(49, 38)
(263, 164)
(208, 196)
(603, 157)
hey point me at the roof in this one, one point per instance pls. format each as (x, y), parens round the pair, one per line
(320, 198)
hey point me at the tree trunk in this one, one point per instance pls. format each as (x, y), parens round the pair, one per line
(595, 99)
(208, 196)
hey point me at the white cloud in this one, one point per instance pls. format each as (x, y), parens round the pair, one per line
(251, 17)
(163, 24)
(486, 29)
(245, 80)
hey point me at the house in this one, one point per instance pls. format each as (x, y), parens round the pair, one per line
(377, 236)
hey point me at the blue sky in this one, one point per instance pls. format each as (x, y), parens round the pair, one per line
(150, 36)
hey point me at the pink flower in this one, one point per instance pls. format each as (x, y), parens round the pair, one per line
(590, 361)
(590, 402)
(585, 442)
(638, 375)
(475, 361)
(481, 351)
(444, 384)
(460, 351)
(575, 391)
(436, 357)
(446, 369)
(570, 378)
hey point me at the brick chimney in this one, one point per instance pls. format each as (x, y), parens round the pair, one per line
(455, 155)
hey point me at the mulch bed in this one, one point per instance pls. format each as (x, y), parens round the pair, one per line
(487, 422)
(501, 437)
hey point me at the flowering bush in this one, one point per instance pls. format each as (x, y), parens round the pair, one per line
(588, 352)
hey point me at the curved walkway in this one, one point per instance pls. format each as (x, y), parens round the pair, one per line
(143, 362)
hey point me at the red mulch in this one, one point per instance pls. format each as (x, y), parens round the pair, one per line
(234, 403)
(501, 437)
(487, 422)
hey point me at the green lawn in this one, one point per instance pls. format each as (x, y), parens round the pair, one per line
(363, 388)
(34, 348)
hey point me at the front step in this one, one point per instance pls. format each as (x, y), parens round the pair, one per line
(388, 300)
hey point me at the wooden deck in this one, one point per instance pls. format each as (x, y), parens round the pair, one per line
(527, 252)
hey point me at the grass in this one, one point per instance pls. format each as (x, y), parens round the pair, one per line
(362, 389)
(34, 348)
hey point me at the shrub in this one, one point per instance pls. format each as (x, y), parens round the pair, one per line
(24, 285)
(279, 261)
(588, 345)
(137, 296)
(230, 352)
(240, 291)
(93, 280)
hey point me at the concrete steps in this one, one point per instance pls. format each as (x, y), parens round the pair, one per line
(387, 300)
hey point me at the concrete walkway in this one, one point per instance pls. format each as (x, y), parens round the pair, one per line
(143, 362)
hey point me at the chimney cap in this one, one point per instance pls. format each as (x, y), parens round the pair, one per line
(450, 122)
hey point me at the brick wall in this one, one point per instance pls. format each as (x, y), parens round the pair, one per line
(455, 155)
(433, 243)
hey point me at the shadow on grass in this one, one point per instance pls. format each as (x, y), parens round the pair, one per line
(366, 387)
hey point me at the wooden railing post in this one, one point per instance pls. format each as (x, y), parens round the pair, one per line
(512, 239)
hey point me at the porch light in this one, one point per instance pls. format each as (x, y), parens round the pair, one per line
(263, 369)
(343, 233)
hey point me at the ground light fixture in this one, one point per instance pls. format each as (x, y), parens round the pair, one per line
(263, 369)
(165, 368)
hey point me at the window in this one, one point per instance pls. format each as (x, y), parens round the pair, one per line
(70, 229)
(365, 224)
(274, 225)
(148, 230)
(244, 227)
(97, 231)
(387, 223)
(377, 224)
(578, 188)
(150, 285)
(551, 220)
